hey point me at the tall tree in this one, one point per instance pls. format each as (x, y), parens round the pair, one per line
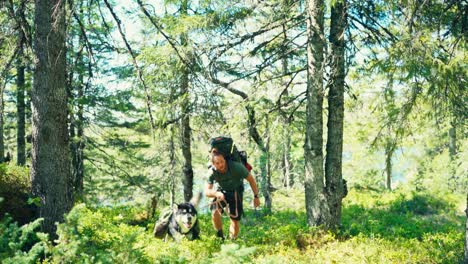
(76, 128)
(324, 190)
(76, 93)
(316, 204)
(20, 90)
(50, 170)
(333, 163)
(185, 121)
(288, 180)
(424, 46)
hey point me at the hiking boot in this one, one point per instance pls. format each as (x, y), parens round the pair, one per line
(219, 234)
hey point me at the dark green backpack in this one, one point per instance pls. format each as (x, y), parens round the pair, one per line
(227, 148)
(162, 225)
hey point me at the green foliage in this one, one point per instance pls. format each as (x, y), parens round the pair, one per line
(398, 215)
(411, 82)
(22, 244)
(419, 204)
(381, 227)
(233, 253)
(438, 172)
(15, 177)
(15, 188)
(376, 228)
(94, 236)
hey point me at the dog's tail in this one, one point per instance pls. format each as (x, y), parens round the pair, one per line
(196, 199)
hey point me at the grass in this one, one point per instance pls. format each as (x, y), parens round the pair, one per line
(387, 227)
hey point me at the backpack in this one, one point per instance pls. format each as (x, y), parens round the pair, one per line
(162, 225)
(227, 148)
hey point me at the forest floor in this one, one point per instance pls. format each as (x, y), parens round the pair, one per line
(377, 227)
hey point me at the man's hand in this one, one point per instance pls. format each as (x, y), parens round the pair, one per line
(219, 196)
(256, 202)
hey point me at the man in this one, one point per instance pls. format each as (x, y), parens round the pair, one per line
(230, 176)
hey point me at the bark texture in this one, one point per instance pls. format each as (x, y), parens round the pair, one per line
(333, 163)
(316, 205)
(50, 170)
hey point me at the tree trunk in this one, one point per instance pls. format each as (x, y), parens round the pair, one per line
(20, 104)
(79, 165)
(288, 181)
(285, 154)
(333, 162)
(77, 121)
(2, 124)
(264, 186)
(72, 117)
(20, 121)
(50, 170)
(266, 170)
(389, 150)
(453, 179)
(254, 134)
(316, 205)
(452, 140)
(466, 231)
(186, 130)
(186, 145)
(77, 144)
(172, 167)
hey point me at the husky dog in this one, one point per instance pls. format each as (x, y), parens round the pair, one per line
(180, 222)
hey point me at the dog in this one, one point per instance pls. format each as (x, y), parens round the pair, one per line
(180, 222)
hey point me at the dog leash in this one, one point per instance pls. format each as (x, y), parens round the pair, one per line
(218, 204)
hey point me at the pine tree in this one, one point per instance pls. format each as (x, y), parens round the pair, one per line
(50, 170)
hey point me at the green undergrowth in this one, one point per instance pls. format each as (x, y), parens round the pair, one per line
(388, 227)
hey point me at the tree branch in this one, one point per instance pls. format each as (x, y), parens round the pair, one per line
(135, 64)
(83, 30)
(160, 29)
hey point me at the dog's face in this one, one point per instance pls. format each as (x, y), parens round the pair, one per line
(185, 216)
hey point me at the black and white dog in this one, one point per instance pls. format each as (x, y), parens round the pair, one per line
(181, 222)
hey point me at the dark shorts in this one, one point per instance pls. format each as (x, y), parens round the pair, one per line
(233, 201)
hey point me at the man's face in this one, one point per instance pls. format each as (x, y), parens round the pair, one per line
(219, 163)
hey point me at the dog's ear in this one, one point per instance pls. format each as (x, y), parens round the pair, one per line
(175, 207)
(196, 199)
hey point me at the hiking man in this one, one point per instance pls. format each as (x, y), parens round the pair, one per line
(229, 175)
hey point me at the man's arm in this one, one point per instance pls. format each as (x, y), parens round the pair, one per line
(210, 192)
(253, 186)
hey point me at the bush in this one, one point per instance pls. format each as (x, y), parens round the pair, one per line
(420, 204)
(233, 253)
(90, 236)
(15, 188)
(22, 244)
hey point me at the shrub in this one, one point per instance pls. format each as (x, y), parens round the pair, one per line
(90, 236)
(22, 244)
(233, 253)
(15, 188)
(419, 203)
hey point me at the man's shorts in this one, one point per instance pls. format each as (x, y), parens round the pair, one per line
(232, 201)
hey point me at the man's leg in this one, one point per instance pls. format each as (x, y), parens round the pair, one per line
(217, 222)
(235, 210)
(234, 229)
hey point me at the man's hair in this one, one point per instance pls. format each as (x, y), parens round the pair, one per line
(214, 153)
